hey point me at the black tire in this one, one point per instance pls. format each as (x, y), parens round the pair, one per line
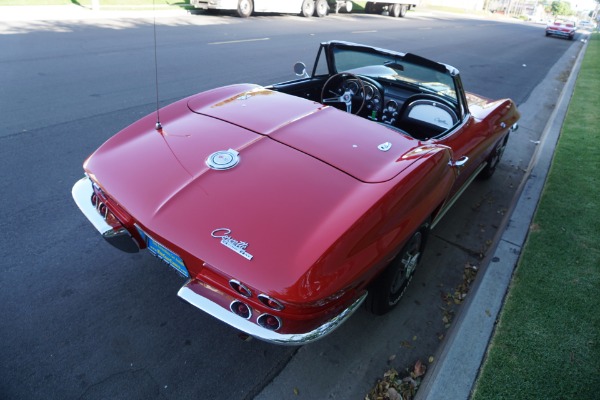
(494, 159)
(321, 8)
(245, 8)
(403, 10)
(389, 287)
(395, 10)
(308, 8)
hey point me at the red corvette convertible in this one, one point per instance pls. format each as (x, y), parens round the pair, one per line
(284, 206)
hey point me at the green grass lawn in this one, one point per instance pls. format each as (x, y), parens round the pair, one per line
(547, 342)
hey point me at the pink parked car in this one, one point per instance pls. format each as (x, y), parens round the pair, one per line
(565, 29)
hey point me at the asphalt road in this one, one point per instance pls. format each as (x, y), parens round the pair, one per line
(81, 320)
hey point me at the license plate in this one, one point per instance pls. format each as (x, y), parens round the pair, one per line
(166, 255)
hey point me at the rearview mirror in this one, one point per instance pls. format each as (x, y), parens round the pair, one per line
(300, 70)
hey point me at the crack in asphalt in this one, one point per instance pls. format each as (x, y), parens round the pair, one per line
(474, 253)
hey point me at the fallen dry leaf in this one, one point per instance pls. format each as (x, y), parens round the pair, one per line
(419, 369)
(392, 384)
(393, 394)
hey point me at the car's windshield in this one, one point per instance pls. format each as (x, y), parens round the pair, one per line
(396, 69)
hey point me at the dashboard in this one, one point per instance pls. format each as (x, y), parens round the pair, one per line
(382, 102)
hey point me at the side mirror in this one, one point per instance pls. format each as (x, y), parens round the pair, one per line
(300, 70)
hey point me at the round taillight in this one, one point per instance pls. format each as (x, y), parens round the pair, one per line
(240, 309)
(94, 199)
(240, 288)
(102, 209)
(269, 322)
(270, 302)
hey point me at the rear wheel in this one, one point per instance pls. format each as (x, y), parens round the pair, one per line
(494, 159)
(245, 8)
(395, 10)
(308, 8)
(321, 7)
(389, 287)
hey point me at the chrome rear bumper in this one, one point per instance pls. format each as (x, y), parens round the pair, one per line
(119, 237)
(292, 339)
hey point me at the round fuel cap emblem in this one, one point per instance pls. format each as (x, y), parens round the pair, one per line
(223, 159)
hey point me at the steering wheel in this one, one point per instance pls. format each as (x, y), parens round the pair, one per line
(350, 90)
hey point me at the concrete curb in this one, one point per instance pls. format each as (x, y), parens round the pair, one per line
(462, 353)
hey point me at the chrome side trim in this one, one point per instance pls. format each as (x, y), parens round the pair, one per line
(450, 203)
(119, 237)
(252, 329)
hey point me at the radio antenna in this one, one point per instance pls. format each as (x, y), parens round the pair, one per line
(158, 125)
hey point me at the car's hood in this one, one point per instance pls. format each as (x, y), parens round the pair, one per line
(299, 185)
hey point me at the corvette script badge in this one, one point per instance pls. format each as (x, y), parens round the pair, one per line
(229, 242)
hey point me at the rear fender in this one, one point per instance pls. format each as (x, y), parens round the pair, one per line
(378, 236)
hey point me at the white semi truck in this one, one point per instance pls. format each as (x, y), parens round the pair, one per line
(307, 8)
(395, 8)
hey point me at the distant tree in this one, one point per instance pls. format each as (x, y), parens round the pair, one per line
(561, 8)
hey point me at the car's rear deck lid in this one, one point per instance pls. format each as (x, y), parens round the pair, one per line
(368, 151)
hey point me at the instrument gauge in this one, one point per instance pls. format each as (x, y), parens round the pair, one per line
(391, 106)
(353, 87)
(369, 92)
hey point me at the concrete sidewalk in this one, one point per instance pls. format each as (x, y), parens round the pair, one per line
(463, 351)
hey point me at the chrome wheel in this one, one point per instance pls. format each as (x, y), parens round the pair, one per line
(245, 8)
(321, 7)
(387, 290)
(494, 159)
(403, 9)
(409, 259)
(308, 8)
